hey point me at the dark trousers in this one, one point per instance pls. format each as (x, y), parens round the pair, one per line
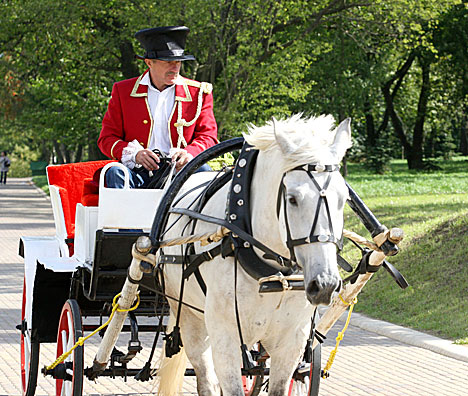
(3, 175)
(115, 177)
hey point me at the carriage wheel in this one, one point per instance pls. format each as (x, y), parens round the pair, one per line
(29, 354)
(253, 384)
(69, 330)
(307, 382)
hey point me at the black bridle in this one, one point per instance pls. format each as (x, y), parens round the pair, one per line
(311, 238)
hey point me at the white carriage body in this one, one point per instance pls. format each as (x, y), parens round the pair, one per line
(118, 209)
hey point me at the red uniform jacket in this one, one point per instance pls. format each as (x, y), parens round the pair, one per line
(128, 117)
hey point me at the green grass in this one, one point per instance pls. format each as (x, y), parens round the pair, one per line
(452, 178)
(41, 182)
(432, 209)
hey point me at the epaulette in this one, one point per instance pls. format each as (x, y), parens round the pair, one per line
(204, 86)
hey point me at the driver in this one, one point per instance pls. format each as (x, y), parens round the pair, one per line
(160, 111)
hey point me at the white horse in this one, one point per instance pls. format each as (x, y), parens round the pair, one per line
(280, 321)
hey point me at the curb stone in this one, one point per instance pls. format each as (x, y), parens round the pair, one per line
(408, 336)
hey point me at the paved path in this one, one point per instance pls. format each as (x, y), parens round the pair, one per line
(367, 363)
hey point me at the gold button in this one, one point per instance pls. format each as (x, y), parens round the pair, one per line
(142, 144)
(145, 121)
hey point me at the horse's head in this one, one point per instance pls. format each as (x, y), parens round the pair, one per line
(311, 200)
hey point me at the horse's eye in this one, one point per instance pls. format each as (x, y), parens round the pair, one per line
(292, 200)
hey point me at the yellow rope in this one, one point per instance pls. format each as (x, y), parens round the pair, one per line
(81, 340)
(325, 373)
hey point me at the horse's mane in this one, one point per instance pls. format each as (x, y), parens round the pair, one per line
(312, 137)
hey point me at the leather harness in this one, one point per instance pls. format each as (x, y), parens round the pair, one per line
(241, 242)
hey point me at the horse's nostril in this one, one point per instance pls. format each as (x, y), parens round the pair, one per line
(313, 288)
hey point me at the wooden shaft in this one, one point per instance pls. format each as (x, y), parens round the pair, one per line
(349, 292)
(127, 298)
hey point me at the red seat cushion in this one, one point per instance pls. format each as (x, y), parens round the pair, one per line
(90, 196)
(70, 178)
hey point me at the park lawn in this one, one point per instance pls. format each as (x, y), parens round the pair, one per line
(434, 253)
(41, 182)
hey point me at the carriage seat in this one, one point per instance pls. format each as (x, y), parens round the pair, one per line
(70, 184)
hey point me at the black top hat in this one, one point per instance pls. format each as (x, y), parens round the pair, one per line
(164, 43)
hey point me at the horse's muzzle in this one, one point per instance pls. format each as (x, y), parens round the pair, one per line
(322, 291)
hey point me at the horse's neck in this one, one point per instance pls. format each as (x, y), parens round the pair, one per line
(264, 193)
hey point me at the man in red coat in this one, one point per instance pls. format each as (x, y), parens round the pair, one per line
(158, 110)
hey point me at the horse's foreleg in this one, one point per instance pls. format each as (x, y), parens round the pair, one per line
(226, 350)
(198, 350)
(285, 355)
(281, 371)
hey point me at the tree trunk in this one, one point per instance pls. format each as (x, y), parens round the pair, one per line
(58, 153)
(464, 134)
(416, 161)
(371, 137)
(94, 153)
(78, 153)
(389, 97)
(414, 151)
(127, 61)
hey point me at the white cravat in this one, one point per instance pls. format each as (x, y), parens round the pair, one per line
(161, 105)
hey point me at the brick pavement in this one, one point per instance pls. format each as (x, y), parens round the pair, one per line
(366, 363)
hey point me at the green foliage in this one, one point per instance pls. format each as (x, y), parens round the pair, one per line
(20, 156)
(222, 162)
(265, 58)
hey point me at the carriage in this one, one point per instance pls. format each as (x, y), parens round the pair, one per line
(111, 258)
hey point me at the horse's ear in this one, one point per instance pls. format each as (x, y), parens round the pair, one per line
(286, 145)
(342, 140)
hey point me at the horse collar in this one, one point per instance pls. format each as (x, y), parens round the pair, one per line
(238, 213)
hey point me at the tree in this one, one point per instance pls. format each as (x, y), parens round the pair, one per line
(68, 72)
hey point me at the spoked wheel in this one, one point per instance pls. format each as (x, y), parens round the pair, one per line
(29, 353)
(253, 384)
(306, 379)
(69, 379)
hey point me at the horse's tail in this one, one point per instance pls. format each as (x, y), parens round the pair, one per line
(171, 370)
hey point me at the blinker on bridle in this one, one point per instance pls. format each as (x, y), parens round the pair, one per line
(311, 238)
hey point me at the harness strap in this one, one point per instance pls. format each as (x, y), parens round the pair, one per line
(247, 360)
(200, 280)
(311, 238)
(195, 261)
(200, 259)
(235, 230)
(316, 238)
(314, 334)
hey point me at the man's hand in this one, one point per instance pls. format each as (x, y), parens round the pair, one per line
(181, 157)
(147, 159)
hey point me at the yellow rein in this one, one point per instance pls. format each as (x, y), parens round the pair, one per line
(81, 340)
(325, 373)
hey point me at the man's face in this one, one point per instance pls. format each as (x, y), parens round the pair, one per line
(163, 73)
